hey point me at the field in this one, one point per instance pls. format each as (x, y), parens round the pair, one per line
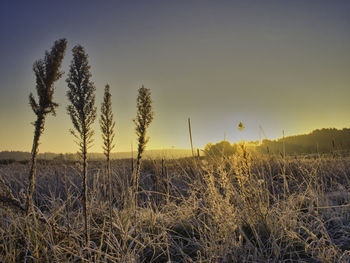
(242, 208)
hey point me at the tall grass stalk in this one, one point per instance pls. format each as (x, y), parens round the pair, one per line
(142, 121)
(107, 125)
(82, 110)
(47, 71)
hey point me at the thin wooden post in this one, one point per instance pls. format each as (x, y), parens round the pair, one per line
(190, 132)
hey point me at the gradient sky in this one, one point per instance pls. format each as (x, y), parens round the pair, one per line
(278, 64)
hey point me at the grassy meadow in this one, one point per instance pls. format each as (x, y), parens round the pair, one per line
(242, 208)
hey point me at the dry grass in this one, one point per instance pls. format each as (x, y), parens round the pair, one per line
(240, 209)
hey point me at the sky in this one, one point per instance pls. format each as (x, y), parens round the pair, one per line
(281, 65)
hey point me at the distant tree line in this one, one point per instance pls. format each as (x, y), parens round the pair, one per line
(319, 141)
(322, 141)
(15, 156)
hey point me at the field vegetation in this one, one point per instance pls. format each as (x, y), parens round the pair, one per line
(241, 208)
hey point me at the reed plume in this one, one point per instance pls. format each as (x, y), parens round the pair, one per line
(47, 71)
(81, 94)
(107, 125)
(143, 120)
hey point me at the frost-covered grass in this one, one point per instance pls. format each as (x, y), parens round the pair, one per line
(239, 209)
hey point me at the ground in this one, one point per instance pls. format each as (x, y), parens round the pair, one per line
(240, 208)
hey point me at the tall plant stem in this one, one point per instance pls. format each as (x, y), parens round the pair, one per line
(109, 192)
(85, 192)
(39, 127)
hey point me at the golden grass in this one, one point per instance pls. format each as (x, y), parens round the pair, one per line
(239, 209)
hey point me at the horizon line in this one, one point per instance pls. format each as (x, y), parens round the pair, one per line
(183, 149)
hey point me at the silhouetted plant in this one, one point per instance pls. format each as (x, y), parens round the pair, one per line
(143, 119)
(81, 94)
(47, 71)
(107, 125)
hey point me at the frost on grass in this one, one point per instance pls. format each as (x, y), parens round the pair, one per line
(242, 208)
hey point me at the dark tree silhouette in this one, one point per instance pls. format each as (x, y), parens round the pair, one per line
(107, 125)
(323, 141)
(47, 71)
(220, 149)
(143, 120)
(81, 94)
